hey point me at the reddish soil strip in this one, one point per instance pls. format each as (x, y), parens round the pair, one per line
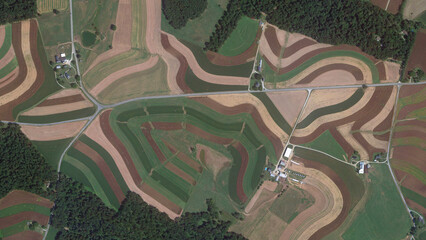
(22, 216)
(410, 133)
(382, 70)
(242, 58)
(26, 235)
(244, 162)
(9, 77)
(311, 54)
(161, 198)
(418, 53)
(176, 170)
(409, 108)
(356, 73)
(208, 136)
(410, 90)
(342, 141)
(324, 231)
(168, 126)
(394, 6)
(411, 154)
(271, 37)
(412, 205)
(245, 108)
(62, 100)
(107, 130)
(2, 34)
(182, 156)
(386, 124)
(103, 166)
(6, 110)
(146, 130)
(305, 42)
(380, 3)
(183, 67)
(412, 122)
(17, 197)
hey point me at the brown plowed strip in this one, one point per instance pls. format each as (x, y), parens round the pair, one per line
(337, 66)
(20, 197)
(410, 133)
(406, 91)
(180, 77)
(412, 122)
(418, 53)
(221, 60)
(324, 231)
(62, 100)
(244, 162)
(146, 130)
(52, 132)
(385, 124)
(382, 137)
(103, 166)
(382, 70)
(244, 108)
(380, 96)
(184, 158)
(271, 37)
(208, 136)
(167, 125)
(161, 199)
(290, 50)
(6, 110)
(367, 146)
(107, 130)
(412, 205)
(410, 182)
(26, 235)
(9, 77)
(411, 154)
(409, 108)
(7, 58)
(22, 216)
(176, 170)
(342, 141)
(2, 34)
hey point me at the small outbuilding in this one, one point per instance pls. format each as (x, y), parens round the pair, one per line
(361, 168)
(288, 152)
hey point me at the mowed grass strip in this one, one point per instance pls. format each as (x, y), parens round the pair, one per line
(7, 43)
(326, 143)
(359, 93)
(81, 113)
(25, 207)
(109, 161)
(241, 38)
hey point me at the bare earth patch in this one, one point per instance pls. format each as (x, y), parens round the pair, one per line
(52, 132)
(289, 104)
(65, 93)
(266, 186)
(214, 160)
(392, 72)
(413, 8)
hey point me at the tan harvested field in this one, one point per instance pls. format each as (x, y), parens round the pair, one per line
(413, 8)
(10, 55)
(17, 197)
(324, 98)
(289, 104)
(101, 133)
(151, 62)
(266, 186)
(392, 72)
(52, 132)
(47, 6)
(26, 235)
(60, 108)
(122, 39)
(345, 131)
(65, 93)
(214, 160)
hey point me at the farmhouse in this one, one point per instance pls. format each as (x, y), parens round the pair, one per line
(361, 168)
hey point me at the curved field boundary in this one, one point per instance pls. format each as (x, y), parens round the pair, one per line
(59, 117)
(23, 216)
(5, 39)
(17, 197)
(25, 207)
(25, 235)
(272, 39)
(241, 158)
(62, 100)
(354, 71)
(52, 132)
(295, 47)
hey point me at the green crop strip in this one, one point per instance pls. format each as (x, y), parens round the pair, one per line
(233, 176)
(359, 93)
(170, 185)
(8, 68)
(14, 229)
(25, 207)
(412, 195)
(326, 143)
(7, 41)
(198, 85)
(81, 113)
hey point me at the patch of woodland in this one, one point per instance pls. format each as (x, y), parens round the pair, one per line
(178, 12)
(17, 10)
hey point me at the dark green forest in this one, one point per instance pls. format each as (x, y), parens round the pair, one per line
(17, 10)
(178, 12)
(352, 22)
(80, 214)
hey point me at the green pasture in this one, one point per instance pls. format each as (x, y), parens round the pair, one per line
(108, 160)
(345, 171)
(384, 215)
(48, 87)
(409, 141)
(172, 182)
(25, 207)
(81, 113)
(8, 68)
(243, 70)
(339, 107)
(51, 235)
(326, 143)
(52, 154)
(14, 229)
(150, 82)
(198, 31)
(138, 24)
(409, 168)
(241, 38)
(198, 85)
(273, 111)
(292, 202)
(272, 77)
(7, 42)
(412, 99)
(55, 28)
(414, 196)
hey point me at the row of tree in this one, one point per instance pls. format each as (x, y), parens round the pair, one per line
(352, 22)
(178, 12)
(17, 10)
(80, 214)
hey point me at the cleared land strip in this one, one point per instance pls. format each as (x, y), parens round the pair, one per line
(52, 132)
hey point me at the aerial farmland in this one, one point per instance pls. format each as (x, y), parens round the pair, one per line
(212, 119)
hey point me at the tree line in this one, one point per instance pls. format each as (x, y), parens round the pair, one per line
(375, 31)
(178, 12)
(17, 10)
(81, 214)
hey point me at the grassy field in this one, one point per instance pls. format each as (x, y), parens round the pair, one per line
(52, 155)
(384, 215)
(52, 233)
(55, 28)
(24, 208)
(198, 31)
(45, 6)
(152, 81)
(241, 37)
(326, 143)
(7, 43)
(293, 201)
(14, 229)
(8, 68)
(81, 113)
(410, 194)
